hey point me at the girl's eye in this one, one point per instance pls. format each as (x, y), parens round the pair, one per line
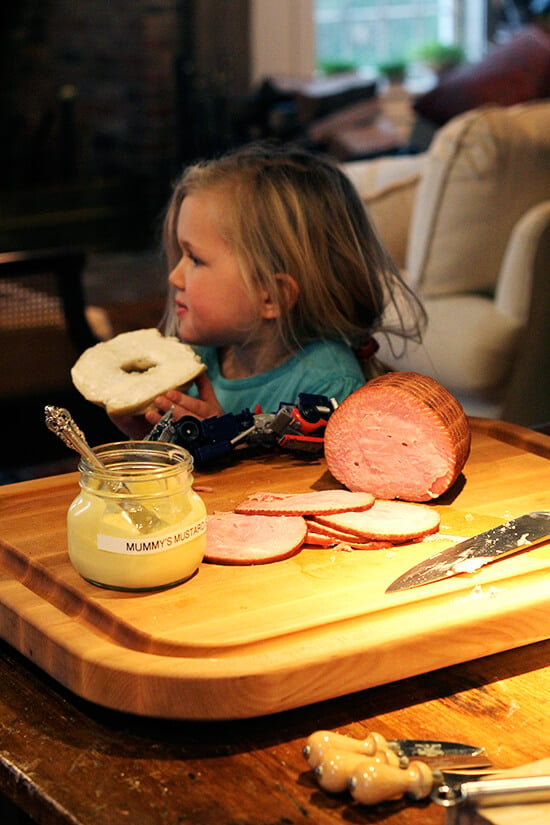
(193, 258)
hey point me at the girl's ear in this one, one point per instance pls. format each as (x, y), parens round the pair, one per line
(288, 292)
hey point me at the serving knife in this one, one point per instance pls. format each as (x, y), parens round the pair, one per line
(371, 784)
(333, 756)
(468, 556)
(434, 752)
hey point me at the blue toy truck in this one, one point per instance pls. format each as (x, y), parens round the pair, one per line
(298, 427)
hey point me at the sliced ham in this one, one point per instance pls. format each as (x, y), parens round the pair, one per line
(322, 501)
(319, 539)
(402, 435)
(350, 543)
(314, 526)
(232, 538)
(396, 521)
(372, 544)
(324, 535)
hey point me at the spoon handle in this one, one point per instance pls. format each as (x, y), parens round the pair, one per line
(60, 422)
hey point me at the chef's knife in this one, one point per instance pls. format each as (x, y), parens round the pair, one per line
(469, 555)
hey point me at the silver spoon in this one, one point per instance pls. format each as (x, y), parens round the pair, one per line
(60, 422)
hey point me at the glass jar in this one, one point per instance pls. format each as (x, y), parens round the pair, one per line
(137, 524)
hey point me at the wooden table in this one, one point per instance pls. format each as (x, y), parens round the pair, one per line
(64, 760)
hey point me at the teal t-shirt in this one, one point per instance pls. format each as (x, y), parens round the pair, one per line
(321, 367)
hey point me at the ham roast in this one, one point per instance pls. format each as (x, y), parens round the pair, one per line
(402, 435)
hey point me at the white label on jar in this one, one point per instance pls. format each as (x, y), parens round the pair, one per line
(151, 543)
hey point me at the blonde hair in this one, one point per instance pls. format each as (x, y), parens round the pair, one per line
(294, 212)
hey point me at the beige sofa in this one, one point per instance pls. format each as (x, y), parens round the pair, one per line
(469, 223)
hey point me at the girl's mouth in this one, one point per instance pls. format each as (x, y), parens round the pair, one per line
(181, 309)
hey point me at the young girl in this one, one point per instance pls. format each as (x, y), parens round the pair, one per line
(277, 279)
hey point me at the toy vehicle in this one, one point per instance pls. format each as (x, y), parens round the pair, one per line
(301, 426)
(298, 427)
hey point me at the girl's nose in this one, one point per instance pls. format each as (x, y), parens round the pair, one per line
(177, 275)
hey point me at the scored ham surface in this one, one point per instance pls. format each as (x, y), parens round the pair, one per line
(232, 538)
(402, 435)
(320, 501)
(397, 521)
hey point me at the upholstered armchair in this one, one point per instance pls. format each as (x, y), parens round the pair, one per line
(469, 222)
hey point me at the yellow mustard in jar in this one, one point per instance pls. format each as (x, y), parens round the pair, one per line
(137, 524)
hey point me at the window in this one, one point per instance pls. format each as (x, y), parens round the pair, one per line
(291, 36)
(369, 32)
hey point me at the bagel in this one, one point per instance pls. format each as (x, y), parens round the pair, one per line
(126, 373)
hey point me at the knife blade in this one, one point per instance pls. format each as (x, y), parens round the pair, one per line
(439, 753)
(468, 556)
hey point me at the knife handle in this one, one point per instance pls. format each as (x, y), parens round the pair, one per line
(321, 740)
(336, 767)
(370, 785)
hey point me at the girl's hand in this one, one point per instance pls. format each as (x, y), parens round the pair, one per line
(204, 406)
(135, 427)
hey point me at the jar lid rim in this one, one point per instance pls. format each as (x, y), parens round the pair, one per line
(166, 455)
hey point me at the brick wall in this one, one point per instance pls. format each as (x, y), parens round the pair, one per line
(88, 88)
(119, 57)
(102, 101)
(93, 87)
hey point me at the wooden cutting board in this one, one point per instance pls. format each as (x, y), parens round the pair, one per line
(237, 642)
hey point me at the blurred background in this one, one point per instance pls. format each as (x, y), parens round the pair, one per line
(103, 102)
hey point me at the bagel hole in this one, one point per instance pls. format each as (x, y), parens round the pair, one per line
(138, 365)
